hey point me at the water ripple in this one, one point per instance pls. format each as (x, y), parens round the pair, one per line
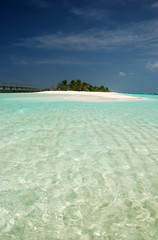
(74, 170)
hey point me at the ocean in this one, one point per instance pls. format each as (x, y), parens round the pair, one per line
(78, 170)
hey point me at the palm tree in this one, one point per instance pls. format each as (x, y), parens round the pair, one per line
(78, 85)
(72, 84)
(62, 85)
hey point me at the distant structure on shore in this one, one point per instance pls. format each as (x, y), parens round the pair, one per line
(78, 85)
(16, 88)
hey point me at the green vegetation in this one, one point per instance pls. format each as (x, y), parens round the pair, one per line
(78, 85)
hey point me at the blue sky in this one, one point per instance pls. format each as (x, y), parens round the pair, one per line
(104, 42)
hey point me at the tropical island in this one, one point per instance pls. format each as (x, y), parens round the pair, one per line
(78, 85)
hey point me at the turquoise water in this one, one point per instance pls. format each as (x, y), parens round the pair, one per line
(149, 96)
(78, 170)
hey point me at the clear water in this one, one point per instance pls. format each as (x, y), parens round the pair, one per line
(78, 170)
(148, 96)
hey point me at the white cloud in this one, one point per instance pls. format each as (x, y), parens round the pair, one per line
(122, 74)
(59, 61)
(155, 5)
(63, 61)
(131, 36)
(4, 70)
(152, 66)
(90, 13)
(18, 61)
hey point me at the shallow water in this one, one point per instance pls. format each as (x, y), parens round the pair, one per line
(78, 170)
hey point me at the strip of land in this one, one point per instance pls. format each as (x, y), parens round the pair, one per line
(91, 96)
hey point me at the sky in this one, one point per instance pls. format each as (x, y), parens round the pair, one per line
(103, 42)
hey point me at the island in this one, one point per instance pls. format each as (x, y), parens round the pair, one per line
(78, 85)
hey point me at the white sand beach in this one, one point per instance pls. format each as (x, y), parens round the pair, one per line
(92, 96)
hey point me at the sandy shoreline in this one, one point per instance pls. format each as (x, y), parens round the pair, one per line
(91, 96)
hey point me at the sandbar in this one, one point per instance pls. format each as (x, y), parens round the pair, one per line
(91, 96)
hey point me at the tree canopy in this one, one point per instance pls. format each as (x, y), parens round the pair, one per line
(78, 85)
